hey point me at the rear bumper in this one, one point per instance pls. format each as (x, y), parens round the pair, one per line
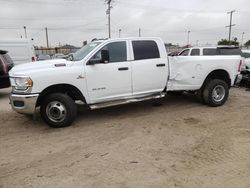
(238, 79)
(24, 104)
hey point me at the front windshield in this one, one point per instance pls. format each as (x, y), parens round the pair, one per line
(81, 53)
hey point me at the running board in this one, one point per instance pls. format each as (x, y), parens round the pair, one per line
(125, 101)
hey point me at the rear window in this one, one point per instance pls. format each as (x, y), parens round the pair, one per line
(210, 51)
(230, 51)
(195, 52)
(145, 50)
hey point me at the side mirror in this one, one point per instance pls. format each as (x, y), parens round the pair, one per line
(94, 61)
(105, 56)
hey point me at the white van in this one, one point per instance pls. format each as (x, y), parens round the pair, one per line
(20, 50)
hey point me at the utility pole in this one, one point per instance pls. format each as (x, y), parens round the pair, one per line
(242, 39)
(188, 38)
(139, 32)
(25, 31)
(197, 42)
(108, 13)
(47, 38)
(120, 33)
(230, 24)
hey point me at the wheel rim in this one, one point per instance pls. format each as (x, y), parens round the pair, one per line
(218, 93)
(56, 111)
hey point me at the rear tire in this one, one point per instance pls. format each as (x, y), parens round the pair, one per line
(215, 93)
(58, 110)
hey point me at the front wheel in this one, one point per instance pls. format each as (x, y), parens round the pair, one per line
(215, 93)
(58, 110)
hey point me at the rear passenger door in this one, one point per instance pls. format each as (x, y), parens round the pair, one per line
(149, 70)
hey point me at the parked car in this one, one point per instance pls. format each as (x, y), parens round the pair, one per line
(118, 71)
(215, 51)
(175, 53)
(6, 65)
(60, 56)
(43, 57)
(246, 72)
(211, 51)
(20, 50)
(246, 55)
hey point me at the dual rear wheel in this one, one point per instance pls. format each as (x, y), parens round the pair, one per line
(214, 93)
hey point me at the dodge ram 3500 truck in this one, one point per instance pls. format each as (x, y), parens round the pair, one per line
(117, 71)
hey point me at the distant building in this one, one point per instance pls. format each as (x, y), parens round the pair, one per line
(65, 49)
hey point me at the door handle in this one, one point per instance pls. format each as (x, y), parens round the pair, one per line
(123, 68)
(161, 65)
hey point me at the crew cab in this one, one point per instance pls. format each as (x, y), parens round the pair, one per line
(117, 71)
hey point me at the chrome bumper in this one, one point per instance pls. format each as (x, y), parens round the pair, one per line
(24, 104)
(238, 79)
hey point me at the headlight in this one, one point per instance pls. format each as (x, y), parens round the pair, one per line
(21, 83)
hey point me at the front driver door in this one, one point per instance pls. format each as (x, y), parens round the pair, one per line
(107, 81)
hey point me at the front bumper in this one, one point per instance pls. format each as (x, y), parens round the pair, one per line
(24, 104)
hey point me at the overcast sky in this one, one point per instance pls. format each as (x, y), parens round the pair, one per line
(73, 21)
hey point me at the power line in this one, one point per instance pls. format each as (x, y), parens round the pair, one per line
(175, 10)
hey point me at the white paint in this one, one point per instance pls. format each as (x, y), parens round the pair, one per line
(104, 82)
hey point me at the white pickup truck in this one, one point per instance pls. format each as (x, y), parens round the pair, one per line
(117, 71)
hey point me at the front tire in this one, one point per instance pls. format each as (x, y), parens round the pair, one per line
(215, 93)
(58, 110)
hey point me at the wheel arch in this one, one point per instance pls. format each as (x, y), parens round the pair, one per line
(69, 89)
(218, 74)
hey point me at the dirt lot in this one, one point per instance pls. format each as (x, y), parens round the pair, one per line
(178, 144)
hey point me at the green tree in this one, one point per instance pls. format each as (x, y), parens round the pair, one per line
(227, 42)
(247, 43)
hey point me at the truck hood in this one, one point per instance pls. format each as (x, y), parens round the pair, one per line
(25, 69)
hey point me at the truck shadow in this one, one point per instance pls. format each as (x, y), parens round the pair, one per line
(87, 117)
(137, 109)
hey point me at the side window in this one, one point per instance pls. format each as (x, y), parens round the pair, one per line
(184, 53)
(145, 50)
(195, 52)
(230, 51)
(210, 51)
(117, 52)
(246, 55)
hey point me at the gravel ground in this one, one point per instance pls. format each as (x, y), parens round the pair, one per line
(178, 144)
